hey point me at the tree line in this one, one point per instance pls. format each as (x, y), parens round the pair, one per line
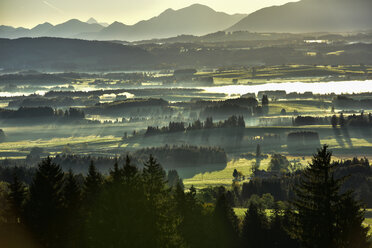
(42, 112)
(231, 122)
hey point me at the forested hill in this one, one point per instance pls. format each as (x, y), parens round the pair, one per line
(58, 54)
(70, 54)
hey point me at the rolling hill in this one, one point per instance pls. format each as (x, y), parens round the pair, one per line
(310, 16)
(70, 54)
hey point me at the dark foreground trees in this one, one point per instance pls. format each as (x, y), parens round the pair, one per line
(139, 208)
(324, 216)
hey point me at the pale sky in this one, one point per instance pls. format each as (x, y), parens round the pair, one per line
(28, 13)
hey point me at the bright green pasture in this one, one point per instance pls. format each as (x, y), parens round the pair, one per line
(224, 177)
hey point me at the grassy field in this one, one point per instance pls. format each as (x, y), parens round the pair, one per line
(303, 107)
(224, 177)
(20, 149)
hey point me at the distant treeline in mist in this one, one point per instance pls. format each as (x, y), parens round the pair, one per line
(172, 157)
(346, 102)
(231, 122)
(183, 156)
(37, 101)
(31, 113)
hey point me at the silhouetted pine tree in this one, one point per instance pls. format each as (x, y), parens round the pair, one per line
(334, 121)
(154, 177)
(137, 212)
(194, 225)
(45, 206)
(130, 172)
(341, 120)
(71, 192)
(258, 151)
(321, 215)
(174, 180)
(116, 174)
(279, 230)
(265, 100)
(316, 202)
(118, 217)
(73, 219)
(226, 227)
(17, 197)
(93, 184)
(255, 228)
(161, 213)
(352, 232)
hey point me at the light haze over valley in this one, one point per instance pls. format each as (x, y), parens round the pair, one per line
(186, 124)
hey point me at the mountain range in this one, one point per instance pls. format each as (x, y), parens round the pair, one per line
(196, 19)
(302, 16)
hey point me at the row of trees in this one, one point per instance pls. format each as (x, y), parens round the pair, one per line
(231, 122)
(361, 120)
(41, 112)
(183, 156)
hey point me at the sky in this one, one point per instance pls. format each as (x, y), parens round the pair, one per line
(29, 13)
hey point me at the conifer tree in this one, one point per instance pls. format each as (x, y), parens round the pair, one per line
(316, 201)
(352, 232)
(279, 235)
(265, 100)
(258, 151)
(17, 197)
(71, 192)
(225, 224)
(72, 221)
(193, 226)
(119, 215)
(325, 217)
(341, 120)
(154, 177)
(162, 221)
(129, 171)
(93, 183)
(174, 179)
(45, 206)
(334, 121)
(116, 174)
(255, 228)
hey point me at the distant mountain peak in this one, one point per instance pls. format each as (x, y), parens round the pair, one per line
(72, 21)
(91, 20)
(168, 11)
(193, 7)
(45, 24)
(200, 6)
(116, 24)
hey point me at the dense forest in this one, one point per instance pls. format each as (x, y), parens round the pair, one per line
(132, 207)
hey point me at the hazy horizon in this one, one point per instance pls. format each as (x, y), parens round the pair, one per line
(29, 13)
